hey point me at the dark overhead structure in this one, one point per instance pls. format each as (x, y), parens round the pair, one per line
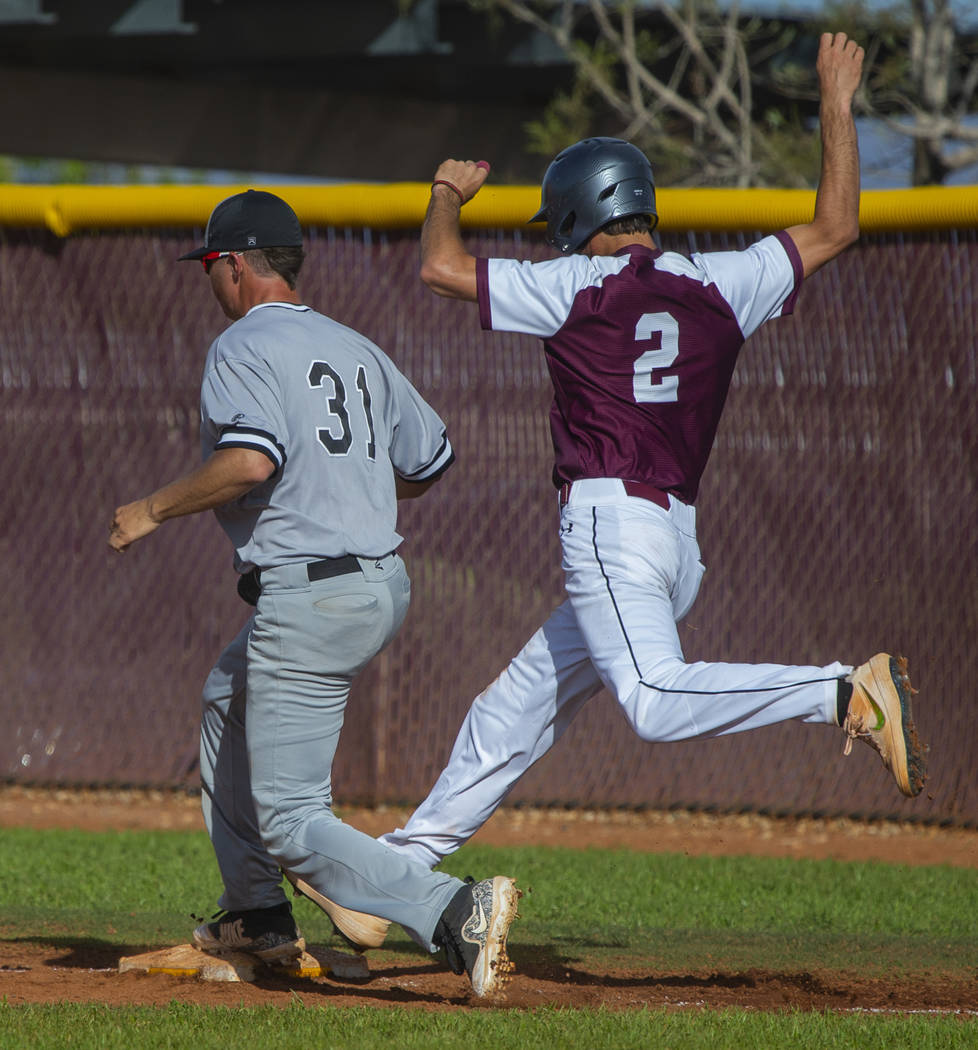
(371, 90)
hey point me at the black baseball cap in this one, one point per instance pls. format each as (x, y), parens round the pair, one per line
(253, 219)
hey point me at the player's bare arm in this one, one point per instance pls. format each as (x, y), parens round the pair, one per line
(228, 474)
(836, 222)
(446, 267)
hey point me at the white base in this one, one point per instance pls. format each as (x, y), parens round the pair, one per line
(185, 960)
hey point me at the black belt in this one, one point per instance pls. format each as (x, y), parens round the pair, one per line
(249, 583)
(323, 570)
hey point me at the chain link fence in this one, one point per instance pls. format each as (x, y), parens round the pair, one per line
(837, 519)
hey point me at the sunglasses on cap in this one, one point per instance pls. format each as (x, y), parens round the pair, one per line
(212, 257)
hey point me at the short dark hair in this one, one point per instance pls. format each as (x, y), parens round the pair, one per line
(282, 262)
(629, 224)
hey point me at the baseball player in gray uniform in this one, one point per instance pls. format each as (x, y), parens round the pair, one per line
(309, 435)
(641, 345)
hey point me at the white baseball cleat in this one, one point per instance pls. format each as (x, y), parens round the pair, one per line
(473, 931)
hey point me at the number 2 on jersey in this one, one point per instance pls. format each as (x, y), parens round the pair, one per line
(645, 385)
(340, 444)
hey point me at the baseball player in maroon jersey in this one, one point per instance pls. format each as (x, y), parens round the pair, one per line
(641, 345)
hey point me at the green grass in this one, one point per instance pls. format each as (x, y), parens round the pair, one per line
(130, 891)
(182, 1027)
(704, 912)
(147, 884)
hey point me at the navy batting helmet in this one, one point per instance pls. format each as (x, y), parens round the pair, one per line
(591, 183)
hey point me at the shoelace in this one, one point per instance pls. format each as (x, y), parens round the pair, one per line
(853, 728)
(453, 954)
(451, 944)
(200, 918)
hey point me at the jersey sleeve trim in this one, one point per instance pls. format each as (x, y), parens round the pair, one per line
(259, 440)
(482, 291)
(438, 464)
(791, 250)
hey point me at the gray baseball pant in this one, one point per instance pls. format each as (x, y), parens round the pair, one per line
(272, 713)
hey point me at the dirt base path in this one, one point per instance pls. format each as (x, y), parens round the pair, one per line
(653, 831)
(32, 973)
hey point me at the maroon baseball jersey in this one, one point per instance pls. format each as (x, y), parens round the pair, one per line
(641, 347)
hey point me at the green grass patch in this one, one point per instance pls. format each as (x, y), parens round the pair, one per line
(701, 913)
(182, 1027)
(140, 889)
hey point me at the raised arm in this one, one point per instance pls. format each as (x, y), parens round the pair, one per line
(446, 267)
(836, 222)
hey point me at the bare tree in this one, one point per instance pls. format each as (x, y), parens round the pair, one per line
(677, 79)
(923, 85)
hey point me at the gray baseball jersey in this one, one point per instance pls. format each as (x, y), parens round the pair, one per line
(337, 419)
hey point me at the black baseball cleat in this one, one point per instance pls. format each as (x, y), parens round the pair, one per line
(270, 934)
(473, 930)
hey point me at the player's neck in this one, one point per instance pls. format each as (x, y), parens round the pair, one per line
(608, 244)
(267, 291)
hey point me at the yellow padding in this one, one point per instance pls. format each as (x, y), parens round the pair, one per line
(70, 209)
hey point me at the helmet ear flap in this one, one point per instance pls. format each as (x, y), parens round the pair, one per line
(566, 227)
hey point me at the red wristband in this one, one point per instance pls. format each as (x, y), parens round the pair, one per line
(450, 185)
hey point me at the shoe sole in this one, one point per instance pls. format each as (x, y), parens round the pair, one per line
(493, 967)
(360, 930)
(907, 762)
(280, 955)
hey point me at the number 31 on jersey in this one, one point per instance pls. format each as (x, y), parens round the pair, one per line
(321, 373)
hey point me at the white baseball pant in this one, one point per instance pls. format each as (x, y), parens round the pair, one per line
(632, 571)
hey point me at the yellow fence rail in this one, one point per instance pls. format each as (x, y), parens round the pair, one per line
(69, 209)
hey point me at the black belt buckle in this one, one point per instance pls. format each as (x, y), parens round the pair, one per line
(329, 567)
